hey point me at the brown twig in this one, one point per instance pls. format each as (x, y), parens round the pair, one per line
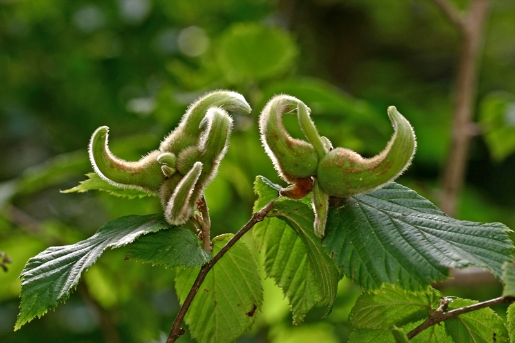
(471, 28)
(176, 330)
(451, 12)
(439, 315)
(206, 224)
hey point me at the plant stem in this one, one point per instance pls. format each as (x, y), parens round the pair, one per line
(206, 224)
(439, 315)
(176, 330)
(471, 28)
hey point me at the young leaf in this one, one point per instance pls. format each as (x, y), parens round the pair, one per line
(483, 325)
(300, 218)
(394, 235)
(94, 182)
(226, 303)
(49, 277)
(286, 262)
(171, 248)
(295, 259)
(391, 305)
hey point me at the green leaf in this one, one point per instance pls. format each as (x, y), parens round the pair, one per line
(497, 117)
(226, 304)
(483, 325)
(508, 277)
(255, 52)
(394, 235)
(170, 248)
(49, 277)
(511, 322)
(295, 259)
(391, 305)
(94, 182)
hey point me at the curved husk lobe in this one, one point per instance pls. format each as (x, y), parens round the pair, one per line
(187, 132)
(293, 158)
(343, 172)
(144, 174)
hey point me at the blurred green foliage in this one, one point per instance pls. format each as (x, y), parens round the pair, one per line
(134, 65)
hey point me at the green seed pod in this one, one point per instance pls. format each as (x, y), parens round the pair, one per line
(293, 158)
(178, 208)
(343, 172)
(215, 130)
(212, 146)
(144, 174)
(187, 133)
(320, 202)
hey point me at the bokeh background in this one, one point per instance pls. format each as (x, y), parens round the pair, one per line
(68, 67)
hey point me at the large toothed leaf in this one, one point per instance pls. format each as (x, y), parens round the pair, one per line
(49, 277)
(94, 182)
(230, 296)
(393, 235)
(294, 256)
(170, 248)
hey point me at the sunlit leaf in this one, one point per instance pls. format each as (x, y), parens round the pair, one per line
(394, 235)
(49, 277)
(94, 182)
(294, 256)
(228, 300)
(170, 248)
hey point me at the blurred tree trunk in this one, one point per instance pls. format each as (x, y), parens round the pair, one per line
(471, 26)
